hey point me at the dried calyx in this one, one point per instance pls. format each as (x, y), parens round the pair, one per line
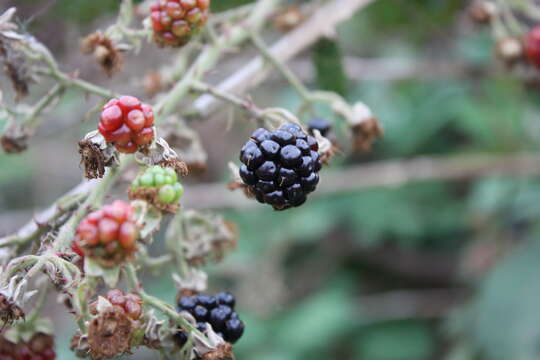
(13, 296)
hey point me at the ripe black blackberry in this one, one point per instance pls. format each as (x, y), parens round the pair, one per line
(280, 167)
(324, 126)
(218, 311)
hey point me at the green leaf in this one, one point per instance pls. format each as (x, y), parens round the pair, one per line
(506, 322)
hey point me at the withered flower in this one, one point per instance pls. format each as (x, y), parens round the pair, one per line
(105, 51)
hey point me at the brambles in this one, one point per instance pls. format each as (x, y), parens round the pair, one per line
(280, 167)
(216, 311)
(159, 186)
(175, 21)
(109, 235)
(127, 124)
(39, 347)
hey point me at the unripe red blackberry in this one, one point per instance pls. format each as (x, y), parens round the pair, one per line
(218, 311)
(109, 235)
(532, 46)
(176, 21)
(130, 303)
(127, 123)
(280, 167)
(40, 346)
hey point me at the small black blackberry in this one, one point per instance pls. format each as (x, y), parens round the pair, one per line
(280, 167)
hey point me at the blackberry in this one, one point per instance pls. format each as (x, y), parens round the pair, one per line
(217, 311)
(281, 167)
(322, 125)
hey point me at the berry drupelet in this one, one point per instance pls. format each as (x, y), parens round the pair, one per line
(175, 21)
(109, 235)
(280, 167)
(218, 311)
(127, 124)
(131, 304)
(163, 180)
(322, 125)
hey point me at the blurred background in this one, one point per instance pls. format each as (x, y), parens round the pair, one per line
(442, 268)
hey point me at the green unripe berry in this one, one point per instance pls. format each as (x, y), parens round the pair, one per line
(166, 194)
(146, 180)
(170, 172)
(159, 179)
(179, 191)
(169, 180)
(156, 169)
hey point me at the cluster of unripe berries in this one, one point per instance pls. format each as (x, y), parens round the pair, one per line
(108, 235)
(40, 347)
(130, 304)
(164, 180)
(217, 311)
(127, 123)
(175, 21)
(280, 167)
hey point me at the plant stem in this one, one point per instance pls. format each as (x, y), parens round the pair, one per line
(32, 120)
(284, 70)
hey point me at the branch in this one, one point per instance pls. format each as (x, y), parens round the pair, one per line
(322, 23)
(392, 174)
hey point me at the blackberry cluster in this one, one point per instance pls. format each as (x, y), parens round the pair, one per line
(532, 46)
(175, 21)
(281, 167)
(40, 347)
(218, 311)
(108, 235)
(127, 123)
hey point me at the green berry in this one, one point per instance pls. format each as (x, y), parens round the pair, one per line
(159, 179)
(179, 191)
(169, 180)
(146, 180)
(170, 172)
(156, 169)
(166, 194)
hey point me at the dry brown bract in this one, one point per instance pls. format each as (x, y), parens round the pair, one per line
(109, 334)
(92, 159)
(14, 141)
(104, 51)
(222, 352)
(364, 133)
(9, 311)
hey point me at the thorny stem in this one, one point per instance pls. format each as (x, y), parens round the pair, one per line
(211, 54)
(63, 205)
(32, 120)
(302, 90)
(158, 304)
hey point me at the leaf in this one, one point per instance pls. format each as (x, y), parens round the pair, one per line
(506, 322)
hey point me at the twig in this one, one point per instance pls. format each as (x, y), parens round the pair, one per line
(391, 174)
(319, 24)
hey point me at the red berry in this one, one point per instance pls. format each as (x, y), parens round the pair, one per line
(127, 124)
(133, 309)
(127, 235)
(108, 230)
(175, 21)
(532, 46)
(88, 233)
(111, 118)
